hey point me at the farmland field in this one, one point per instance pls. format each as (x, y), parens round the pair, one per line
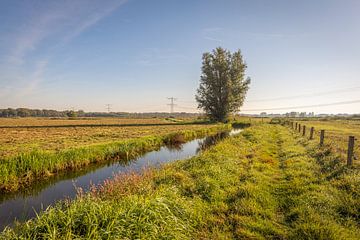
(21, 136)
(40, 150)
(267, 183)
(77, 121)
(337, 133)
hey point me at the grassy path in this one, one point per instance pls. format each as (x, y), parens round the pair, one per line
(294, 198)
(267, 183)
(314, 204)
(286, 193)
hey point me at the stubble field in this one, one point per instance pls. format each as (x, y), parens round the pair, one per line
(29, 134)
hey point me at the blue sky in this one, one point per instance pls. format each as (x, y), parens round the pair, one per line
(134, 54)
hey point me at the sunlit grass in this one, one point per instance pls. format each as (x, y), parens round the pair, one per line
(267, 183)
(22, 169)
(337, 134)
(76, 133)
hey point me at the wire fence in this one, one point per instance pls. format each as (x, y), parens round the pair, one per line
(345, 144)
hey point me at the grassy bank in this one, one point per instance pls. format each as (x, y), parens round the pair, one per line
(21, 170)
(267, 183)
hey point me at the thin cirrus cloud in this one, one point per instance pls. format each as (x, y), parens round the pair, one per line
(53, 24)
(212, 39)
(212, 34)
(156, 56)
(35, 79)
(218, 34)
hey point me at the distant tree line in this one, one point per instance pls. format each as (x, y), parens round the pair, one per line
(26, 112)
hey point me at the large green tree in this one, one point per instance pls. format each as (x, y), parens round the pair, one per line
(223, 84)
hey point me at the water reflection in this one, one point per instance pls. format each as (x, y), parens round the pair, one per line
(211, 140)
(175, 147)
(23, 205)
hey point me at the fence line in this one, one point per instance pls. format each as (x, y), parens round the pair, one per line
(350, 152)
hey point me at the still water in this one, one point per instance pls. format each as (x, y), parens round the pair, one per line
(25, 204)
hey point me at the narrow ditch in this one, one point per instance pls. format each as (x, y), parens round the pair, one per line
(25, 204)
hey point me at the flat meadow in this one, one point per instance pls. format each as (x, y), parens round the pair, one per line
(34, 121)
(22, 135)
(337, 132)
(34, 149)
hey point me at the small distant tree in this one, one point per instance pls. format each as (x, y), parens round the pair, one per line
(80, 113)
(71, 114)
(223, 85)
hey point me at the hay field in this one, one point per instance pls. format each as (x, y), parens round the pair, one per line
(22, 136)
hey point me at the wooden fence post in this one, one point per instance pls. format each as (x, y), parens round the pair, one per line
(299, 127)
(312, 133)
(296, 125)
(292, 125)
(350, 153)
(322, 137)
(304, 130)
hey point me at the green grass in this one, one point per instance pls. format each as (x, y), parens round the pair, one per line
(337, 133)
(21, 170)
(267, 183)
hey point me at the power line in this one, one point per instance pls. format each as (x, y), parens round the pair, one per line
(307, 95)
(305, 106)
(172, 104)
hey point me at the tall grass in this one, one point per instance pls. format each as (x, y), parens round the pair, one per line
(266, 183)
(21, 170)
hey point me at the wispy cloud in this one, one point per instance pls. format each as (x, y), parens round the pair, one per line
(92, 19)
(35, 79)
(212, 34)
(156, 56)
(65, 21)
(218, 34)
(54, 24)
(212, 30)
(29, 38)
(273, 35)
(213, 39)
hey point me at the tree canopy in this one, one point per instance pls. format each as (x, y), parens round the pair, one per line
(223, 84)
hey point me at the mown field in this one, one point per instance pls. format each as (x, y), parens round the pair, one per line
(35, 153)
(266, 183)
(59, 134)
(32, 121)
(337, 133)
